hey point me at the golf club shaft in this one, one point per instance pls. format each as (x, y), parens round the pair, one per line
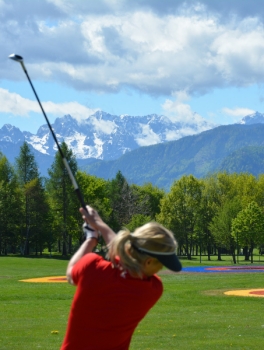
(73, 180)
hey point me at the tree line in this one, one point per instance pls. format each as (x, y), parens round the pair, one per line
(221, 213)
(40, 213)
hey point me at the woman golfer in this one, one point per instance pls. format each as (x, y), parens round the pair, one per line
(113, 296)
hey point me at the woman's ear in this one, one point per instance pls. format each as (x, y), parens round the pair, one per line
(148, 261)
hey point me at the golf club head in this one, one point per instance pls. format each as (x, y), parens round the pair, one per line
(16, 57)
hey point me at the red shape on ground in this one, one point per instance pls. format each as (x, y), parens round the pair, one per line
(235, 268)
(217, 268)
(257, 292)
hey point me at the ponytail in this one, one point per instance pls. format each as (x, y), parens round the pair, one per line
(122, 247)
(126, 246)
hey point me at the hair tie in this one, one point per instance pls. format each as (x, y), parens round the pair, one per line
(131, 236)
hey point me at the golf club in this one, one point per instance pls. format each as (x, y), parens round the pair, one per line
(19, 59)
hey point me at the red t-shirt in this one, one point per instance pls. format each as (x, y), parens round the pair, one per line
(107, 306)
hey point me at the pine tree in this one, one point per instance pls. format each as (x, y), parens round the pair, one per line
(27, 170)
(64, 202)
(10, 207)
(26, 165)
(122, 201)
(39, 214)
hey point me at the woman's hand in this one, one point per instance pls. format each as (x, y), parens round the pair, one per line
(95, 221)
(92, 217)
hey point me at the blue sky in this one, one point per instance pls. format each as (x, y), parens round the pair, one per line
(188, 60)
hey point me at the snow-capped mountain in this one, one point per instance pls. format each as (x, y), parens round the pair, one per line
(102, 135)
(254, 118)
(10, 133)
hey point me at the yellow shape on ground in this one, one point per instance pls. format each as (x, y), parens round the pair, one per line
(257, 292)
(51, 279)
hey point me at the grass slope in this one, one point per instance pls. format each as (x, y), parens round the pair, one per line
(193, 312)
(247, 160)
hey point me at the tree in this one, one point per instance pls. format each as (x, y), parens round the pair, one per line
(95, 193)
(147, 200)
(122, 202)
(27, 170)
(180, 210)
(127, 201)
(10, 207)
(259, 198)
(26, 166)
(39, 209)
(205, 214)
(245, 187)
(227, 194)
(137, 220)
(248, 227)
(221, 225)
(63, 201)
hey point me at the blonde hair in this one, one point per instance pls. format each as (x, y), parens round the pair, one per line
(151, 236)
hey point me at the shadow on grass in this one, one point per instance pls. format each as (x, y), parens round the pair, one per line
(225, 260)
(33, 256)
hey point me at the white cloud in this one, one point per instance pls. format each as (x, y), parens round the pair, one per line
(172, 135)
(75, 109)
(148, 46)
(104, 126)
(147, 137)
(178, 111)
(238, 112)
(15, 104)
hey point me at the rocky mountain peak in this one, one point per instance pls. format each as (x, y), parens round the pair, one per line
(253, 118)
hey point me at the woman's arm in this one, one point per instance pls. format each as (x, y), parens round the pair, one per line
(94, 220)
(85, 248)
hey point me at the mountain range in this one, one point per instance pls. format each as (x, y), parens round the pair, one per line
(100, 136)
(224, 148)
(146, 149)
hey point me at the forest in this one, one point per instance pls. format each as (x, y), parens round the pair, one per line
(218, 214)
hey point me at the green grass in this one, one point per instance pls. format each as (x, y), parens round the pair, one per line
(193, 312)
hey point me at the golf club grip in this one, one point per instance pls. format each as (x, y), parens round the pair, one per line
(79, 195)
